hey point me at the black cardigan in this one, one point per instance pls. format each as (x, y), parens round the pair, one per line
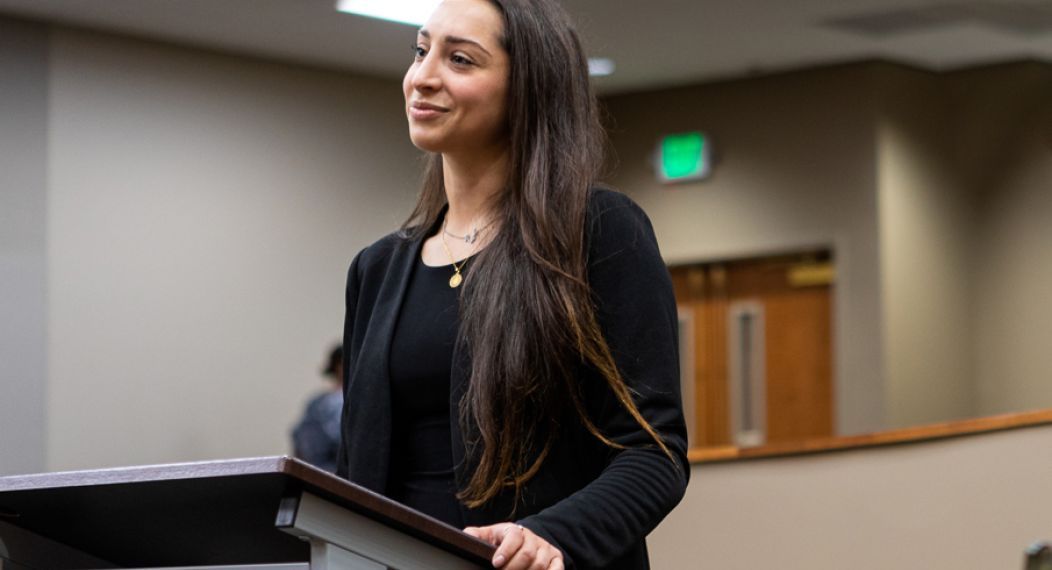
(595, 503)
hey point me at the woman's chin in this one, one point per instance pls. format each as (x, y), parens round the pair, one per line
(426, 143)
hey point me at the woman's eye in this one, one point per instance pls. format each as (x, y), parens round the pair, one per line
(418, 51)
(460, 60)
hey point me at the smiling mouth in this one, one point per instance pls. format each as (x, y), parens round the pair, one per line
(427, 107)
(423, 111)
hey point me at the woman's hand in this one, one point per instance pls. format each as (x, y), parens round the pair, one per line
(518, 548)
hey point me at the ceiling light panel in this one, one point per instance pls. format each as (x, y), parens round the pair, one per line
(412, 12)
(600, 66)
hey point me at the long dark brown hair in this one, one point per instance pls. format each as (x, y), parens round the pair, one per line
(527, 318)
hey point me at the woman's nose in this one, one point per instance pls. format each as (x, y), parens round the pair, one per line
(426, 76)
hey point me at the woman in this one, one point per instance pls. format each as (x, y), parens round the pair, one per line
(511, 353)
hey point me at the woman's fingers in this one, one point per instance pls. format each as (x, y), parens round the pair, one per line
(518, 548)
(510, 538)
(482, 533)
(534, 554)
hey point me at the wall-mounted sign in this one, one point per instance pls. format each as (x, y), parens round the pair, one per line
(683, 157)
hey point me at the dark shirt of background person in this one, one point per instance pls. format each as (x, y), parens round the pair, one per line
(316, 437)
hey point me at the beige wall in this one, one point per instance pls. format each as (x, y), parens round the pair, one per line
(972, 503)
(23, 264)
(202, 213)
(1012, 313)
(794, 169)
(930, 188)
(926, 225)
(964, 164)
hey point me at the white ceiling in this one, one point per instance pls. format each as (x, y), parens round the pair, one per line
(654, 42)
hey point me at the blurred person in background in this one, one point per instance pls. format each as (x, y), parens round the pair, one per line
(316, 437)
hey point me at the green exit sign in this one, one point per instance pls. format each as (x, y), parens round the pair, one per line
(684, 156)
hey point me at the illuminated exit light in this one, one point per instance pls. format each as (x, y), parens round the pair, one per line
(683, 157)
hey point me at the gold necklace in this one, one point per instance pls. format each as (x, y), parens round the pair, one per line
(457, 278)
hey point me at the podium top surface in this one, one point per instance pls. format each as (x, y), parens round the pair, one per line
(210, 512)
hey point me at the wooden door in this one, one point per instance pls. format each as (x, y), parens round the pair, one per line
(768, 321)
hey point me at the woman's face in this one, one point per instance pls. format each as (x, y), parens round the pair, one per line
(456, 89)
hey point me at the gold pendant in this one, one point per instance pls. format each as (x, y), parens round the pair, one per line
(455, 280)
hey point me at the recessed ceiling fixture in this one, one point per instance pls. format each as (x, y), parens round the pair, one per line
(600, 66)
(413, 12)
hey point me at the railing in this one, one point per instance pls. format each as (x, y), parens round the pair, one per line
(892, 437)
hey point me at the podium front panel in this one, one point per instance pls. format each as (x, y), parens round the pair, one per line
(217, 513)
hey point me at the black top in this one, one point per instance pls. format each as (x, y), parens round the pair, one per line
(594, 502)
(421, 468)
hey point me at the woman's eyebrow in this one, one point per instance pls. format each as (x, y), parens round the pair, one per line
(455, 40)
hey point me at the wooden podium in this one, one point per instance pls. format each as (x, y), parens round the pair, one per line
(270, 513)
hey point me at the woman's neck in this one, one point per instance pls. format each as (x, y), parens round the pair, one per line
(471, 187)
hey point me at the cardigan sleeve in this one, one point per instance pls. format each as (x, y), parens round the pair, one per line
(636, 310)
(350, 307)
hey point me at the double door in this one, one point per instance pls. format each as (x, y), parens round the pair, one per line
(756, 344)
